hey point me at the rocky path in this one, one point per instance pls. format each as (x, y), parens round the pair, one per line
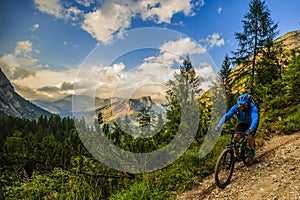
(275, 175)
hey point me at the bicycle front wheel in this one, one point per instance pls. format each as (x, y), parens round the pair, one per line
(224, 168)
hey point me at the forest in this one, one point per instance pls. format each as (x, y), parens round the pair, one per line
(46, 159)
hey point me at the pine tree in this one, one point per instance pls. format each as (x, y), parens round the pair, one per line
(184, 88)
(259, 31)
(225, 78)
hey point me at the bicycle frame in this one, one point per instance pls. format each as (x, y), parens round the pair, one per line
(238, 145)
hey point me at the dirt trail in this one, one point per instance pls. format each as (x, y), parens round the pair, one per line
(275, 175)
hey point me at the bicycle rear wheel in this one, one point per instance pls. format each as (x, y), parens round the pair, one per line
(224, 168)
(245, 154)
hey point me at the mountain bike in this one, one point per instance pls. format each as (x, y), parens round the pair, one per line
(237, 150)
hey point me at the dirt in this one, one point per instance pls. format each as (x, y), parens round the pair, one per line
(275, 175)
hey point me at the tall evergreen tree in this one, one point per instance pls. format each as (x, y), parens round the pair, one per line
(225, 76)
(225, 73)
(184, 88)
(259, 31)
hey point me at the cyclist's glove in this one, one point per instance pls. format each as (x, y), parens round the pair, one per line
(217, 128)
(248, 132)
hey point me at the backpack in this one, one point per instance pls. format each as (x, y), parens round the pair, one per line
(255, 102)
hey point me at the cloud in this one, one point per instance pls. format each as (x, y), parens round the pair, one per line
(47, 84)
(115, 16)
(35, 27)
(213, 40)
(86, 3)
(216, 40)
(52, 7)
(23, 47)
(174, 51)
(19, 64)
(219, 10)
(63, 88)
(182, 46)
(163, 10)
(58, 10)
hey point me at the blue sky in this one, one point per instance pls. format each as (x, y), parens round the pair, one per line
(48, 46)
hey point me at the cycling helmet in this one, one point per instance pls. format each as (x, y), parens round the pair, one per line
(244, 98)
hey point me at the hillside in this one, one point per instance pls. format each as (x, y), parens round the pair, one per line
(290, 40)
(11, 103)
(284, 44)
(274, 175)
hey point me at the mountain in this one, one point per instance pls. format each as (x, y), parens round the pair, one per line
(110, 108)
(121, 107)
(290, 40)
(63, 107)
(11, 103)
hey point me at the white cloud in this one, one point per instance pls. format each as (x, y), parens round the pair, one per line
(72, 13)
(173, 51)
(57, 9)
(219, 10)
(47, 79)
(86, 3)
(182, 46)
(52, 7)
(165, 10)
(35, 27)
(19, 64)
(213, 40)
(23, 47)
(102, 24)
(114, 16)
(10, 60)
(216, 40)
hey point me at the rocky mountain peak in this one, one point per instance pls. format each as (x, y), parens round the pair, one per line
(4, 82)
(11, 103)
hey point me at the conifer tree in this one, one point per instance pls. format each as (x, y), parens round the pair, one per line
(225, 78)
(184, 88)
(259, 31)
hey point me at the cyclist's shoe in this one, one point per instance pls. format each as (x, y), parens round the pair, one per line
(251, 153)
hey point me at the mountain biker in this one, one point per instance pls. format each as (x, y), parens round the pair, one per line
(247, 114)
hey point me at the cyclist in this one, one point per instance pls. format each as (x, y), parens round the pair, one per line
(247, 114)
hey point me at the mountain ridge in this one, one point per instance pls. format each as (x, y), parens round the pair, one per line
(12, 104)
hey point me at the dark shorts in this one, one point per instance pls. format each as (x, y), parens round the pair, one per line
(240, 127)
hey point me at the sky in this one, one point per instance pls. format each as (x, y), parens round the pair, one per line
(53, 48)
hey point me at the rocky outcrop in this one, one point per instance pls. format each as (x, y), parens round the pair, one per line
(119, 107)
(11, 103)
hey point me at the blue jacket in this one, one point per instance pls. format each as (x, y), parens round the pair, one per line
(250, 116)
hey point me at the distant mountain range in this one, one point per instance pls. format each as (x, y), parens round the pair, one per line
(119, 107)
(11, 103)
(110, 108)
